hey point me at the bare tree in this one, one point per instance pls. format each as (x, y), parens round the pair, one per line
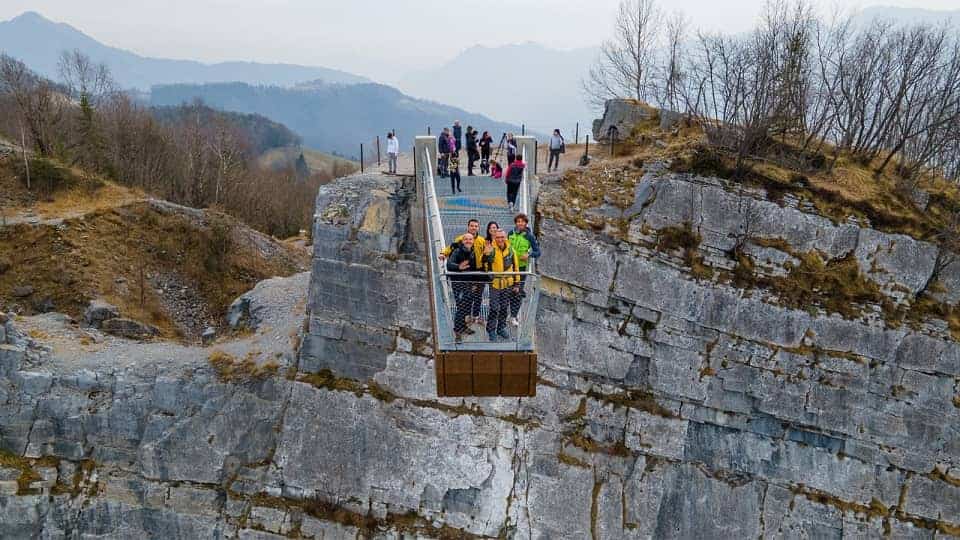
(623, 67)
(84, 78)
(38, 104)
(671, 75)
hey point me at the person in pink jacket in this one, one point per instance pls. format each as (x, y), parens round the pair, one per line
(496, 171)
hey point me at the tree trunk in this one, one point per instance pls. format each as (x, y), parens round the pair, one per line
(23, 147)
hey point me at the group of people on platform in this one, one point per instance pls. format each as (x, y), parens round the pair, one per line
(497, 261)
(478, 149)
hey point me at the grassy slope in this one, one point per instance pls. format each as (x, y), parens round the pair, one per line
(850, 191)
(112, 241)
(319, 162)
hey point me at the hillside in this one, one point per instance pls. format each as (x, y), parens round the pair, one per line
(38, 42)
(326, 165)
(332, 118)
(172, 267)
(544, 99)
(261, 133)
(673, 401)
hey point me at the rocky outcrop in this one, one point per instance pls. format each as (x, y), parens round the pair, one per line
(621, 115)
(670, 404)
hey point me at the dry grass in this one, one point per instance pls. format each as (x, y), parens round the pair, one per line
(26, 466)
(82, 200)
(849, 189)
(112, 252)
(231, 370)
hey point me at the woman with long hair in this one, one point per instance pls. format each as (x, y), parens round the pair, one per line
(485, 142)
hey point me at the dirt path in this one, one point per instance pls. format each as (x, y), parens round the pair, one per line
(69, 206)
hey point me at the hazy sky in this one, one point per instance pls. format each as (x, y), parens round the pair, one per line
(365, 36)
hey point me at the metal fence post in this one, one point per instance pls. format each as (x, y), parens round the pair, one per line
(576, 137)
(378, 152)
(361, 158)
(586, 148)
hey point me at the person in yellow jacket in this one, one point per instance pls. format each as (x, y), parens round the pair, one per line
(500, 257)
(473, 229)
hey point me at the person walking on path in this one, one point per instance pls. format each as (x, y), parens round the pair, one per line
(444, 149)
(393, 151)
(557, 146)
(525, 245)
(511, 148)
(455, 173)
(498, 256)
(463, 259)
(457, 132)
(513, 178)
(473, 154)
(485, 141)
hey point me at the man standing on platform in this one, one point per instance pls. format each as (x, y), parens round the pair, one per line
(525, 245)
(463, 259)
(457, 134)
(393, 150)
(500, 259)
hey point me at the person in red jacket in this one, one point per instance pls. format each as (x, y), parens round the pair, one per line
(513, 177)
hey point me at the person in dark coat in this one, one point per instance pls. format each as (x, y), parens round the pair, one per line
(513, 178)
(485, 141)
(443, 148)
(465, 288)
(457, 135)
(473, 154)
(511, 148)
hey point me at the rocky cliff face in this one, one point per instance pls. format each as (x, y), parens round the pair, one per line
(681, 396)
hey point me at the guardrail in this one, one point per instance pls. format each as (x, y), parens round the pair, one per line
(476, 311)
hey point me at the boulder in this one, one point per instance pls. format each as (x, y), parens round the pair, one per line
(621, 114)
(98, 311)
(129, 328)
(669, 119)
(209, 334)
(22, 291)
(238, 314)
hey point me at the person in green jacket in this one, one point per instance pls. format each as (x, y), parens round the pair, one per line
(525, 245)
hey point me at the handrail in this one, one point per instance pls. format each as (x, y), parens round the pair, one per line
(436, 225)
(431, 193)
(524, 202)
(448, 273)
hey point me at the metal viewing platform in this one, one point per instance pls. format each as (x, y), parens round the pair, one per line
(485, 358)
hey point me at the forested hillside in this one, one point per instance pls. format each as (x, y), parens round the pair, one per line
(188, 154)
(331, 118)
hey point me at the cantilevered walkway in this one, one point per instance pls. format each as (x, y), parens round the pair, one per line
(475, 364)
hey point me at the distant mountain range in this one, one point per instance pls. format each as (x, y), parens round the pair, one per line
(332, 117)
(526, 83)
(38, 42)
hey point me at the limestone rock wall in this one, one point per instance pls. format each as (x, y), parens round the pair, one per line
(668, 406)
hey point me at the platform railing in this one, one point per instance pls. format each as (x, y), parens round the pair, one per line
(515, 292)
(490, 311)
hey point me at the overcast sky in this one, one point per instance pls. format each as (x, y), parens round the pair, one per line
(364, 36)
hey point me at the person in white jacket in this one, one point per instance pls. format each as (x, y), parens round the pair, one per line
(393, 150)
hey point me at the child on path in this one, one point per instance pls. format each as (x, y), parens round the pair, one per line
(455, 173)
